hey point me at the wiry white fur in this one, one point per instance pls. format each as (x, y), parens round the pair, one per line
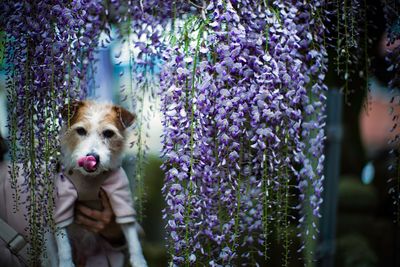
(64, 248)
(135, 250)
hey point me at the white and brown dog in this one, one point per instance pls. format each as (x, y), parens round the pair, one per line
(92, 142)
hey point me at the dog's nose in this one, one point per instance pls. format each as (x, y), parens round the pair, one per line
(96, 156)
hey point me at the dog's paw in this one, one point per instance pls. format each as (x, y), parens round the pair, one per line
(66, 263)
(138, 261)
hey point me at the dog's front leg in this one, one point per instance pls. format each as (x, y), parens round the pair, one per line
(49, 256)
(135, 250)
(64, 248)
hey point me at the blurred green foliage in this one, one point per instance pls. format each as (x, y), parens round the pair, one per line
(354, 251)
(154, 227)
(355, 196)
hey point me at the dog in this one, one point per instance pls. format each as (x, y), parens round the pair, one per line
(93, 138)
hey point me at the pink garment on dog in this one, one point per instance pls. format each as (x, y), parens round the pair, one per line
(77, 187)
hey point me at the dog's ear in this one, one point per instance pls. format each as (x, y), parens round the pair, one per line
(69, 110)
(125, 117)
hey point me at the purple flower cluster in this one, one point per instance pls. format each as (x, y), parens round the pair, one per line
(49, 47)
(141, 28)
(314, 56)
(50, 60)
(242, 88)
(242, 101)
(181, 185)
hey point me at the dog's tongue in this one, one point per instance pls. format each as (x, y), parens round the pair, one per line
(89, 163)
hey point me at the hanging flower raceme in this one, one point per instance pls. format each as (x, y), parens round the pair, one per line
(141, 29)
(391, 12)
(48, 50)
(181, 187)
(246, 121)
(310, 155)
(350, 39)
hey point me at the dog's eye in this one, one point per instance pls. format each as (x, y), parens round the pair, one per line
(81, 131)
(108, 133)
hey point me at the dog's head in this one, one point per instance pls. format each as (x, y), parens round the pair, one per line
(93, 136)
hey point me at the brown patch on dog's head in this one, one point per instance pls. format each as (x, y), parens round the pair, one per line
(73, 111)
